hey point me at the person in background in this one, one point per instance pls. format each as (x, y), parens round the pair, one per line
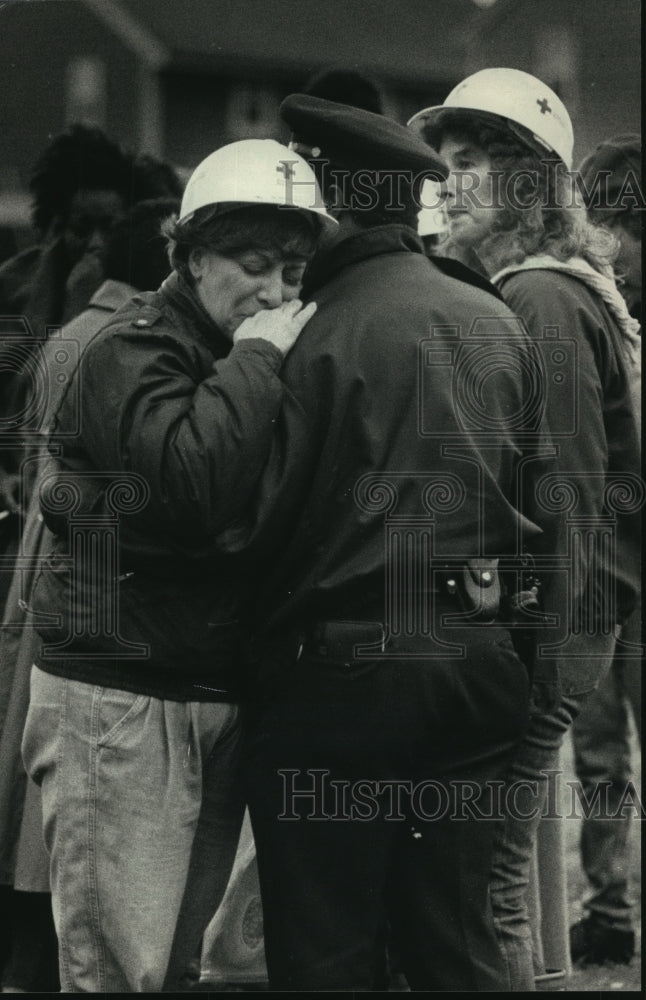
(432, 218)
(611, 179)
(81, 184)
(136, 722)
(345, 86)
(135, 260)
(507, 139)
(71, 212)
(601, 734)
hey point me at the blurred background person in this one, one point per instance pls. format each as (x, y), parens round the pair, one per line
(345, 86)
(601, 735)
(81, 184)
(432, 218)
(135, 260)
(616, 167)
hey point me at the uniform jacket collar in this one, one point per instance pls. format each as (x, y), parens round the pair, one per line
(373, 242)
(111, 295)
(181, 297)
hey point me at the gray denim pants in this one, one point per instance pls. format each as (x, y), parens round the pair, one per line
(142, 810)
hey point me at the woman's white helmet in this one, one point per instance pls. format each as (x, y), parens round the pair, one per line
(254, 172)
(517, 97)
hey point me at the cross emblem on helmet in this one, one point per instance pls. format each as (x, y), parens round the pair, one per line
(286, 169)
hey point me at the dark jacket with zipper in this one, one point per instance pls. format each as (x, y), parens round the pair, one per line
(160, 438)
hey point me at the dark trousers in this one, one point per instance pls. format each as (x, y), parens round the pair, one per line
(29, 947)
(373, 791)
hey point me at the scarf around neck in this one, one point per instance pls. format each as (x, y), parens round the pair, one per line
(604, 286)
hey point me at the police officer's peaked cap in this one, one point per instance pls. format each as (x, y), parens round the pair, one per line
(355, 139)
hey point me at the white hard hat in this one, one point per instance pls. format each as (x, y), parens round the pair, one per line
(517, 97)
(254, 172)
(433, 222)
(432, 218)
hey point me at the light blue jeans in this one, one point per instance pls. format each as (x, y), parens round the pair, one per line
(142, 810)
(536, 757)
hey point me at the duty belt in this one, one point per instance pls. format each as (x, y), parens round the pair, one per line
(472, 588)
(336, 641)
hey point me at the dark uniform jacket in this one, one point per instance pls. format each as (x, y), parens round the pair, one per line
(404, 410)
(160, 397)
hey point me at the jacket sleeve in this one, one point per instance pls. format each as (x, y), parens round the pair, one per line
(555, 309)
(574, 390)
(199, 443)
